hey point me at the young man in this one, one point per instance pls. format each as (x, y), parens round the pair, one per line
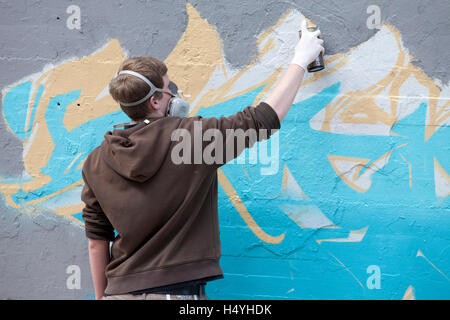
(165, 212)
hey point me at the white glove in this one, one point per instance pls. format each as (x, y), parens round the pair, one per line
(308, 48)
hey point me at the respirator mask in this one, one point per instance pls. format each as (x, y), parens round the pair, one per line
(177, 107)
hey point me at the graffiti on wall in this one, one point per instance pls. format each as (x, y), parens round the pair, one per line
(364, 154)
(56, 114)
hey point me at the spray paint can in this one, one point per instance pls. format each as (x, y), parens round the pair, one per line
(317, 64)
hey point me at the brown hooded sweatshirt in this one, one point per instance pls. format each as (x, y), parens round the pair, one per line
(165, 214)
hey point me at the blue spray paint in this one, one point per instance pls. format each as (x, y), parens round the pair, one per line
(68, 145)
(400, 220)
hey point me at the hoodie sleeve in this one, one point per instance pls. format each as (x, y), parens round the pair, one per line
(237, 132)
(97, 225)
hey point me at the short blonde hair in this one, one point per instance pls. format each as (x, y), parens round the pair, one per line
(127, 88)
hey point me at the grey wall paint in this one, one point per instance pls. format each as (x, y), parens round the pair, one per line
(35, 252)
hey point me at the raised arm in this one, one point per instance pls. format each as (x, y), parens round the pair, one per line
(306, 51)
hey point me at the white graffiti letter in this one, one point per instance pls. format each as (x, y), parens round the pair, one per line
(74, 280)
(374, 21)
(74, 21)
(374, 281)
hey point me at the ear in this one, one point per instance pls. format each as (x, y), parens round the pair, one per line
(153, 103)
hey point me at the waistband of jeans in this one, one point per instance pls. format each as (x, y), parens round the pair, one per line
(198, 289)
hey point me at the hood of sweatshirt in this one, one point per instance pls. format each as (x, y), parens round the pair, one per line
(130, 152)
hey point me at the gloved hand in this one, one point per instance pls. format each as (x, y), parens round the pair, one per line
(308, 48)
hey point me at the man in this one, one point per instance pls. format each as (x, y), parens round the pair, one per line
(165, 212)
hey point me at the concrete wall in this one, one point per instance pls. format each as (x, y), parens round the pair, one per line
(353, 204)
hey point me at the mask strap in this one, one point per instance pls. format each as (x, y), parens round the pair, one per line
(152, 91)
